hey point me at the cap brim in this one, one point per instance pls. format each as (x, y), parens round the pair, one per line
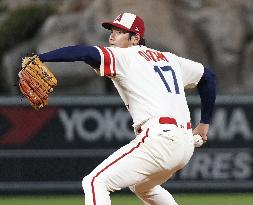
(108, 25)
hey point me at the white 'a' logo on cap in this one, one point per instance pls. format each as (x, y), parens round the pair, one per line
(136, 29)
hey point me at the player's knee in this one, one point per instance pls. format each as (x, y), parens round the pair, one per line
(90, 182)
(86, 183)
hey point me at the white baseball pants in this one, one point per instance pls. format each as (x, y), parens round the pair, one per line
(142, 165)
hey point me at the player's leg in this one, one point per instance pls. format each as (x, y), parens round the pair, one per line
(155, 196)
(149, 190)
(132, 164)
(125, 167)
(151, 193)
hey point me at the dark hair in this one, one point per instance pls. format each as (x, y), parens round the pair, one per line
(142, 40)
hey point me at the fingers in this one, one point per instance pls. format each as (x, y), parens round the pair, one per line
(205, 138)
(202, 130)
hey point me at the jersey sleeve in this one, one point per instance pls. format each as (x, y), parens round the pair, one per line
(112, 61)
(191, 72)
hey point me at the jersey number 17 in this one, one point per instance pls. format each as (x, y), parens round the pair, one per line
(161, 71)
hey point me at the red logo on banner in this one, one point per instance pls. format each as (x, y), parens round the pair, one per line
(24, 124)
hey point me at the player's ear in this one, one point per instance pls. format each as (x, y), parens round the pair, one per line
(136, 39)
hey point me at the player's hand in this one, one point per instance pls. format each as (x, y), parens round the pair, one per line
(202, 130)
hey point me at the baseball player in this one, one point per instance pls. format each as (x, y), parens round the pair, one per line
(151, 83)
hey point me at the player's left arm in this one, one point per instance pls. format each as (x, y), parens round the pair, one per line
(88, 54)
(106, 61)
(207, 91)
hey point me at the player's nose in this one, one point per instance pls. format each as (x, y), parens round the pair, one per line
(111, 40)
(111, 37)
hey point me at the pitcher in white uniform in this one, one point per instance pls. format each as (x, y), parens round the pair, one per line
(151, 83)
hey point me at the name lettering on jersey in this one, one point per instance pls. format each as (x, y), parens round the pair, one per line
(155, 56)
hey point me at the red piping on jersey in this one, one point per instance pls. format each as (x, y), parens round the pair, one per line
(107, 61)
(112, 163)
(113, 62)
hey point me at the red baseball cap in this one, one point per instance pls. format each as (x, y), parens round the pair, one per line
(128, 22)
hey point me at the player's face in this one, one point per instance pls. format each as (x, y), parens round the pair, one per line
(120, 38)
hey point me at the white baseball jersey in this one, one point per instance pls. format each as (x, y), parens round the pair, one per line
(151, 83)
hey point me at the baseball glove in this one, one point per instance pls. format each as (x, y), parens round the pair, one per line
(36, 81)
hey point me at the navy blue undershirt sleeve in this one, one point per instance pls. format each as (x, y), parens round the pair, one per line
(207, 91)
(88, 54)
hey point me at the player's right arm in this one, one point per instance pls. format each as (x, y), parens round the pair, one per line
(196, 75)
(207, 92)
